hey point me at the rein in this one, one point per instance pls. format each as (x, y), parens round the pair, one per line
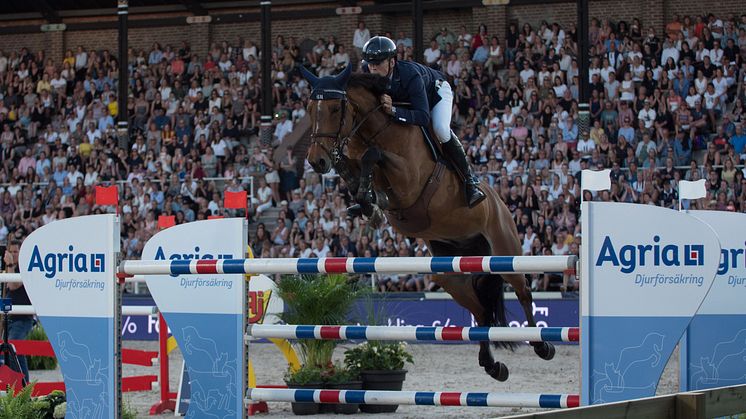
(339, 143)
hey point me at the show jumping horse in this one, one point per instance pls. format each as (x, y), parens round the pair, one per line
(420, 196)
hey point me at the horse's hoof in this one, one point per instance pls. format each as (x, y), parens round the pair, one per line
(382, 200)
(498, 371)
(376, 218)
(545, 350)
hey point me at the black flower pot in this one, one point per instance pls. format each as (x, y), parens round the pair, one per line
(303, 408)
(382, 380)
(346, 409)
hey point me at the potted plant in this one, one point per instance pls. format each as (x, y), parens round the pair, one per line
(342, 378)
(307, 376)
(381, 367)
(316, 300)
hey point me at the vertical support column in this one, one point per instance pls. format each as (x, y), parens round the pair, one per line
(417, 28)
(653, 12)
(583, 82)
(493, 14)
(55, 42)
(199, 38)
(122, 93)
(266, 118)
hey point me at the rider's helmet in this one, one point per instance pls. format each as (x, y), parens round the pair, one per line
(378, 49)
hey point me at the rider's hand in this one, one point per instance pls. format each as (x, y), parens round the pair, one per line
(387, 106)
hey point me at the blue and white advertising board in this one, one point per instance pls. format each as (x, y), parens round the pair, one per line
(713, 350)
(68, 269)
(646, 272)
(205, 312)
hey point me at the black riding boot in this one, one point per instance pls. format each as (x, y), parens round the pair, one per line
(456, 151)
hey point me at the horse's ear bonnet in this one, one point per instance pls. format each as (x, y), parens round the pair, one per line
(312, 79)
(328, 87)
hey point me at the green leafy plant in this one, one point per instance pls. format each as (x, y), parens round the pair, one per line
(40, 362)
(376, 355)
(21, 405)
(317, 300)
(49, 404)
(340, 374)
(128, 412)
(307, 374)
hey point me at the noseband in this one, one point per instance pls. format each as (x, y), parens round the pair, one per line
(339, 142)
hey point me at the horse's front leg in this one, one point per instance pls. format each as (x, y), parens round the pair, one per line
(368, 161)
(348, 170)
(372, 202)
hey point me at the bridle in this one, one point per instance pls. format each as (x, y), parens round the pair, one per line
(340, 142)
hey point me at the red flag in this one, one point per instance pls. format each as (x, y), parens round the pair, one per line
(235, 199)
(107, 195)
(166, 221)
(214, 217)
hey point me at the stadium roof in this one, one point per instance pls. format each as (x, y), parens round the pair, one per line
(56, 10)
(30, 13)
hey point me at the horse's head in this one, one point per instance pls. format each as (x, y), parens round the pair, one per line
(330, 118)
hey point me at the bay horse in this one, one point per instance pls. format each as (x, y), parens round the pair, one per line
(351, 133)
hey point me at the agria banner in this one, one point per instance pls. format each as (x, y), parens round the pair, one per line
(713, 350)
(205, 312)
(646, 271)
(68, 269)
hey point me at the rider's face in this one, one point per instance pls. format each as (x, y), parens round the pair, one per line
(382, 68)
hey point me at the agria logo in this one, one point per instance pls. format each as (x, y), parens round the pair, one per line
(731, 259)
(631, 256)
(161, 254)
(53, 263)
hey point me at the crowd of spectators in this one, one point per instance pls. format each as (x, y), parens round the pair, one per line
(664, 107)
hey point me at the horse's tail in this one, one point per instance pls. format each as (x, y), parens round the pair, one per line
(489, 289)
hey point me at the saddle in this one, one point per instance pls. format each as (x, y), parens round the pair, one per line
(436, 148)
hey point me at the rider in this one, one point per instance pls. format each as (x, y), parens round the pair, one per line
(431, 100)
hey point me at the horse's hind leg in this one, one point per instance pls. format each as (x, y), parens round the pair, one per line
(492, 303)
(545, 350)
(502, 243)
(479, 295)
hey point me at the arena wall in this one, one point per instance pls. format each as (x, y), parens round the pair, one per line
(497, 18)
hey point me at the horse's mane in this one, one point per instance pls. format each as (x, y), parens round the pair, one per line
(371, 82)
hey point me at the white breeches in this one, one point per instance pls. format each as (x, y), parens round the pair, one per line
(440, 115)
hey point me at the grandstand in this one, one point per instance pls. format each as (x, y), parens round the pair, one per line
(667, 103)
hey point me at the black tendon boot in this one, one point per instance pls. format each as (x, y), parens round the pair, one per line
(456, 152)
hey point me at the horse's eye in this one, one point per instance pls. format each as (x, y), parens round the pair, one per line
(334, 109)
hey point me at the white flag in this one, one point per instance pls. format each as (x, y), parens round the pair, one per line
(592, 180)
(692, 190)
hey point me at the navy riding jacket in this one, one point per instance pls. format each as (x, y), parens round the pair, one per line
(414, 83)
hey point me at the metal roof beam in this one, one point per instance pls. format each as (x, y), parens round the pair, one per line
(195, 7)
(48, 12)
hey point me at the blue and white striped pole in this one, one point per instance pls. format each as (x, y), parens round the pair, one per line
(384, 265)
(420, 398)
(416, 333)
